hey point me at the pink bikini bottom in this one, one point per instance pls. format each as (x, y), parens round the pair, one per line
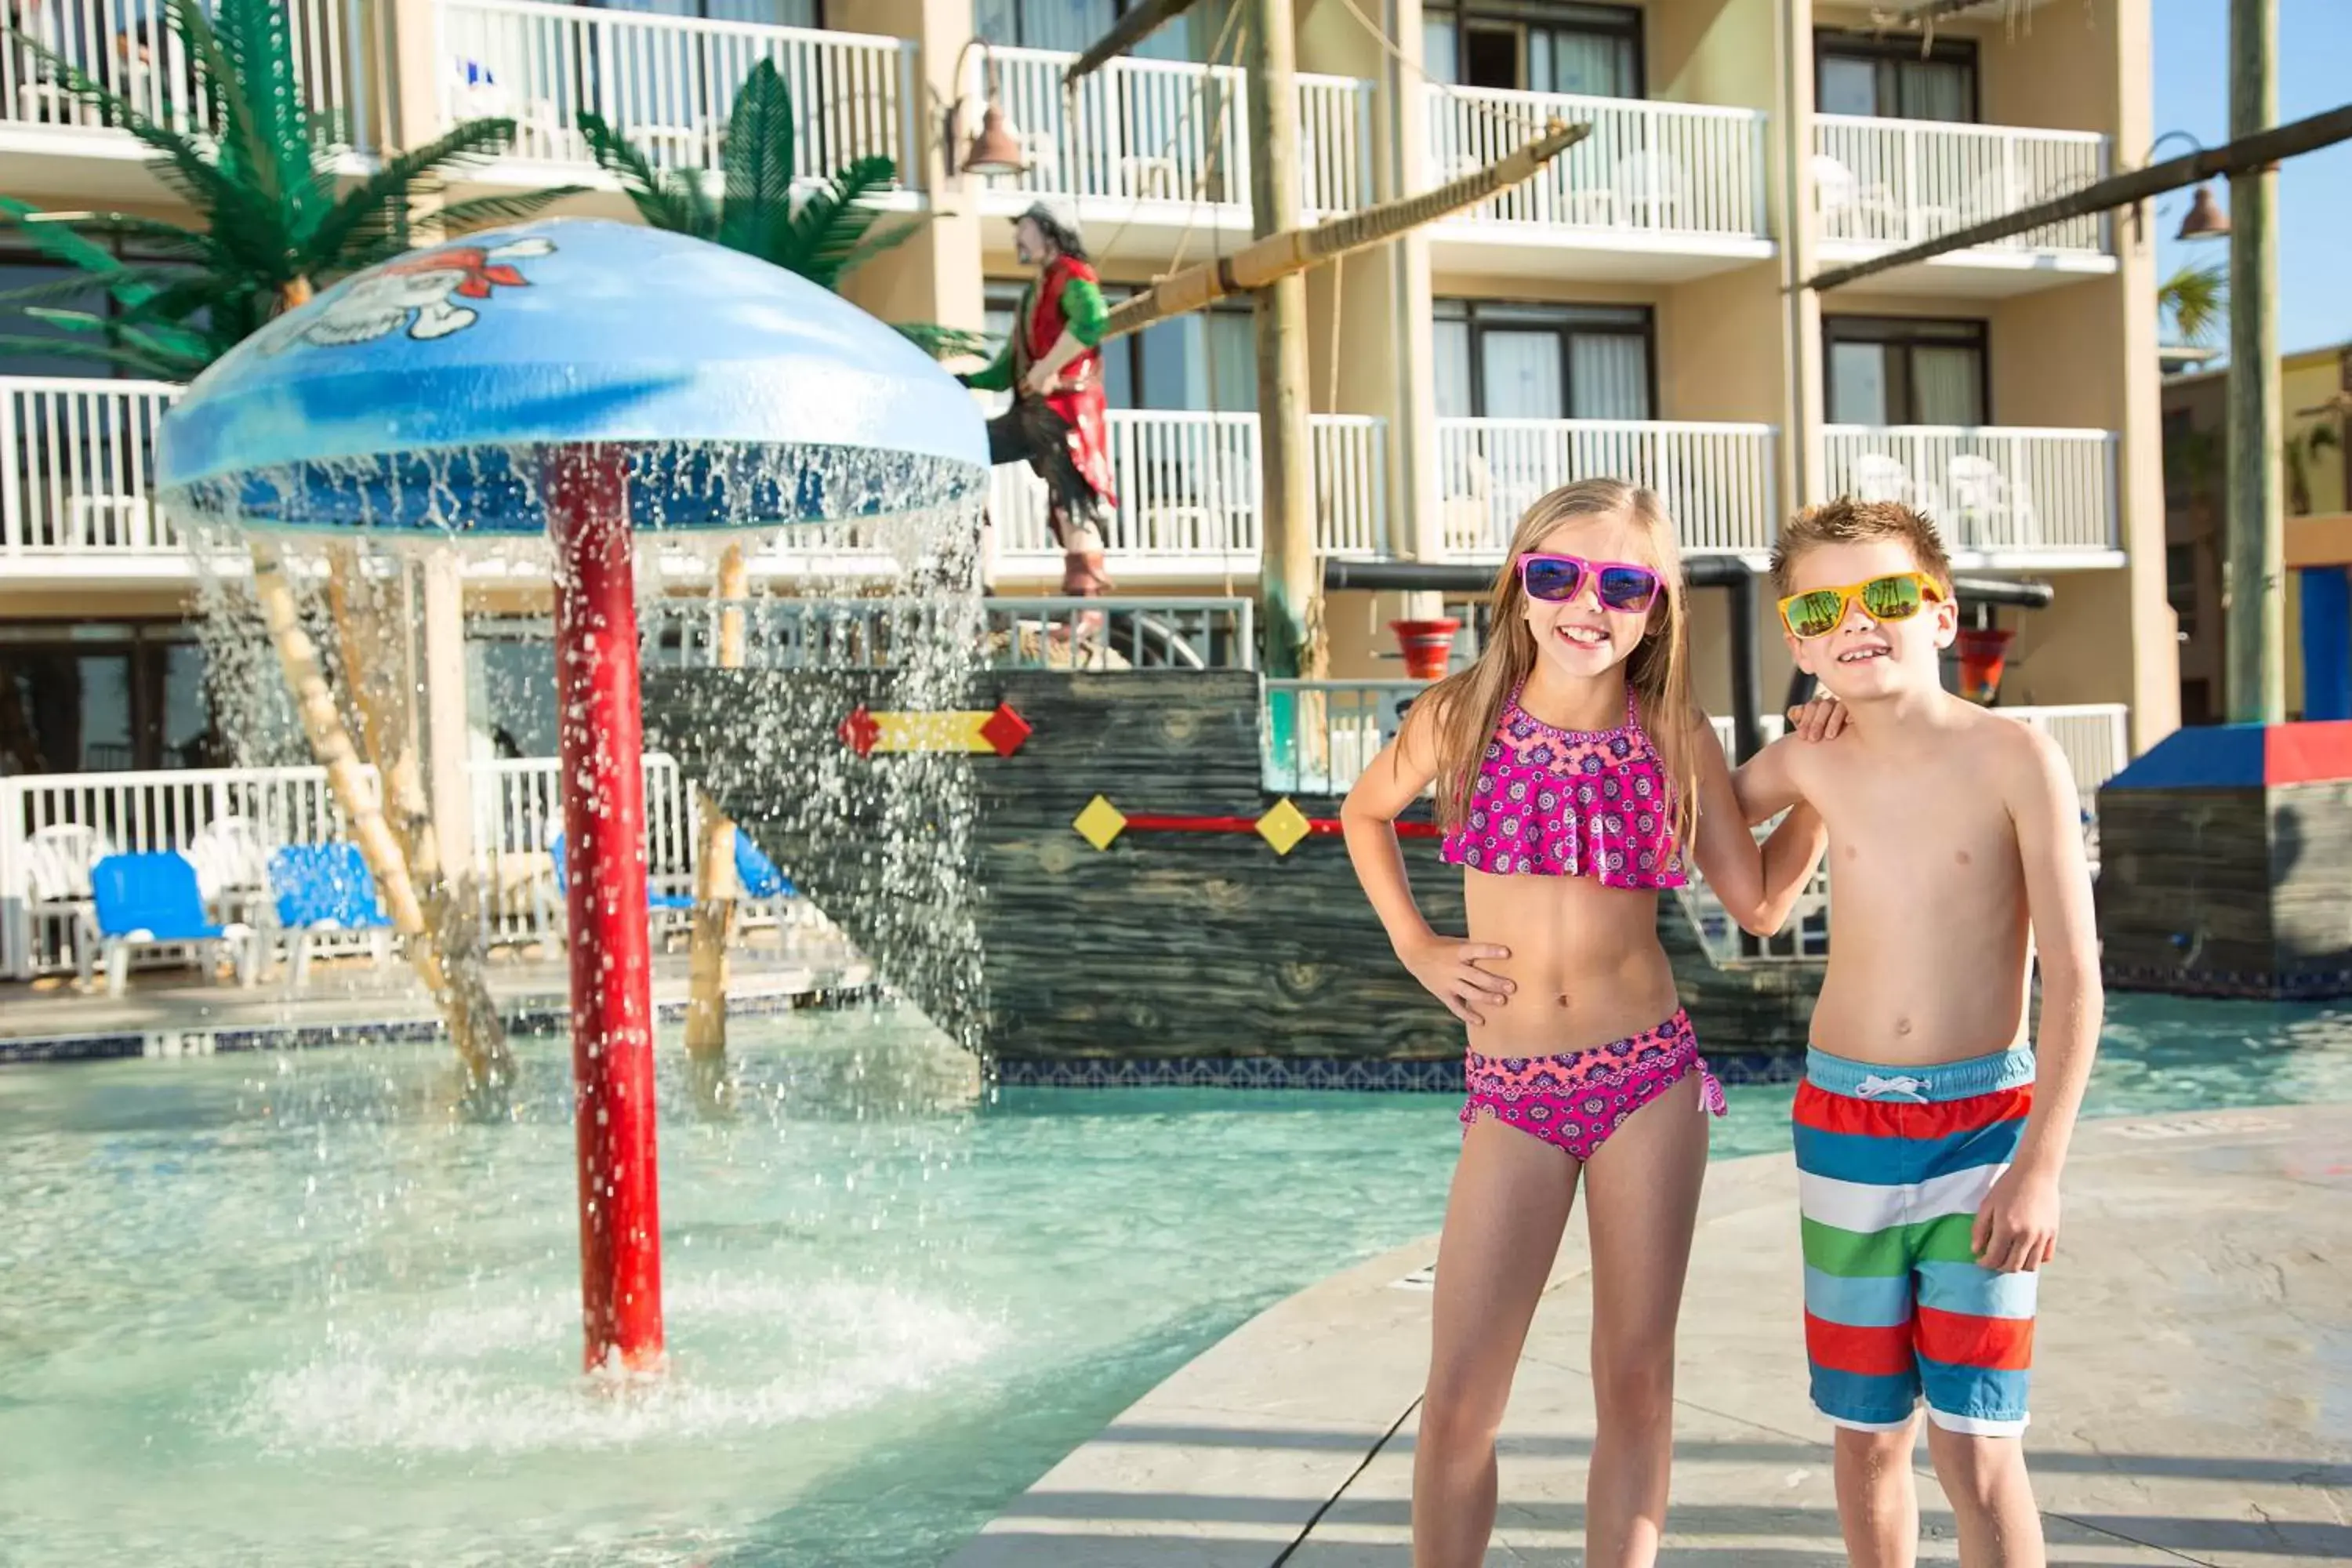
(1575, 1102)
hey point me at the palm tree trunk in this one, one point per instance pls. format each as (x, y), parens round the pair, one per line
(331, 743)
(715, 891)
(382, 695)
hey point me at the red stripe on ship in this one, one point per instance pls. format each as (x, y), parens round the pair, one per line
(1317, 828)
(1825, 1112)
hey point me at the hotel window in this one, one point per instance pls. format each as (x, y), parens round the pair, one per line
(1204, 361)
(1895, 370)
(1498, 361)
(1592, 50)
(1892, 78)
(1072, 25)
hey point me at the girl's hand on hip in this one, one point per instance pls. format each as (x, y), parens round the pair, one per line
(1821, 719)
(1447, 968)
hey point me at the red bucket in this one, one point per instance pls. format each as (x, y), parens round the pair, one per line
(1982, 654)
(1428, 647)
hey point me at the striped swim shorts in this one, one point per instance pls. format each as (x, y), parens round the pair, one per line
(1892, 1165)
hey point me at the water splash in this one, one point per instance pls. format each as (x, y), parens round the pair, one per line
(493, 1380)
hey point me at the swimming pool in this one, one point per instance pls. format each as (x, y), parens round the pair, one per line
(294, 1310)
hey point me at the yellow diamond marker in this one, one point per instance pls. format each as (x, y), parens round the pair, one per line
(1100, 823)
(1283, 827)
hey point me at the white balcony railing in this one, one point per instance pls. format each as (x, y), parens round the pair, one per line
(76, 468)
(1715, 479)
(517, 810)
(126, 46)
(1899, 182)
(1188, 490)
(669, 83)
(1647, 167)
(1174, 131)
(1990, 487)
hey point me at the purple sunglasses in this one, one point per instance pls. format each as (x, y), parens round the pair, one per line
(1618, 585)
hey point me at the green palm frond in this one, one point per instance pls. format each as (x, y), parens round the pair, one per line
(141, 281)
(659, 203)
(946, 343)
(378, 208)
(2198, 300)
(267, 137)
(832, 223)
(481, 211)
(119, 352)
(761, 149)
(162, 241)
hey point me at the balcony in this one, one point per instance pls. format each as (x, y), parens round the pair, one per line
(1150, 148)
(2005, 498)
(57, 146)
(1657, 192)
(1882, 184)
(1189, 502)
(77, 470)
(1717, 479)
(667, 84)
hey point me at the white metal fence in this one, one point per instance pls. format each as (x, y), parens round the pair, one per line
(1188, 490)
(669, 83)
(1899, 182)
(1318, 736)
(1989, 488)
(126, 46)
(1715, 479)
(1172, 130)
(77, 466)
(516, 812)
(1021, 632)
(1647, 167)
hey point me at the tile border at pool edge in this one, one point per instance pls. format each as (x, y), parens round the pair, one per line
(531, 1018)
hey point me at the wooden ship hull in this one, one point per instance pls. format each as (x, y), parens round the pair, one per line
(1189, 941)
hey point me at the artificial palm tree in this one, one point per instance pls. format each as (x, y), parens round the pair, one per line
(278, 224)
(822, 233)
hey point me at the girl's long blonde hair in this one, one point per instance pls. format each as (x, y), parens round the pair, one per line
(1468, 705)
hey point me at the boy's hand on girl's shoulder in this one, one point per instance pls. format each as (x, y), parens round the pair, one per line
(1822, 718)
(2016, 1230)
(1447, 968)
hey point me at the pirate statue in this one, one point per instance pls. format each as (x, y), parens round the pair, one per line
(1054, 371)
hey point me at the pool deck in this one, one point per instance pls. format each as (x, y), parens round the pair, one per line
(172, 1010)
(2193, 1400)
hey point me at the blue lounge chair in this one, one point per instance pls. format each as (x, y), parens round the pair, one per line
(756, 874)
(657, 903)
(325, 892)
(153, 900)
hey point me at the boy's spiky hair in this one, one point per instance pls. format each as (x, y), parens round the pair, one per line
(1848, 521)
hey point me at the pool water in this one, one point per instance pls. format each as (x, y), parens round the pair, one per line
(296, 1309)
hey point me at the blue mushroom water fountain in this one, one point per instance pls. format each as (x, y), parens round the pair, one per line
(583, 379)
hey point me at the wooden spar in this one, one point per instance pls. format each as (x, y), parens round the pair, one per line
(1296, 250)
(1131, 28)
(2255, 152)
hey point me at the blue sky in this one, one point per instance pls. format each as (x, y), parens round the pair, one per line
(2315, 72)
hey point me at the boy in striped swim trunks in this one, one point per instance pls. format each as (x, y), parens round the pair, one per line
(1929, 1137)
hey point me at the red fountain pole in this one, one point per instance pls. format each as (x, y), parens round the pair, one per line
(602, 747)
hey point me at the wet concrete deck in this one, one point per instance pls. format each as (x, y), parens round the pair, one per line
(772, 969)
(2193, 1400)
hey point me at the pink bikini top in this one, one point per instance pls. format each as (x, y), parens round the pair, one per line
(1571, 803)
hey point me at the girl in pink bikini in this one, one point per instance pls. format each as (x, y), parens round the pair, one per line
(1576, 778)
